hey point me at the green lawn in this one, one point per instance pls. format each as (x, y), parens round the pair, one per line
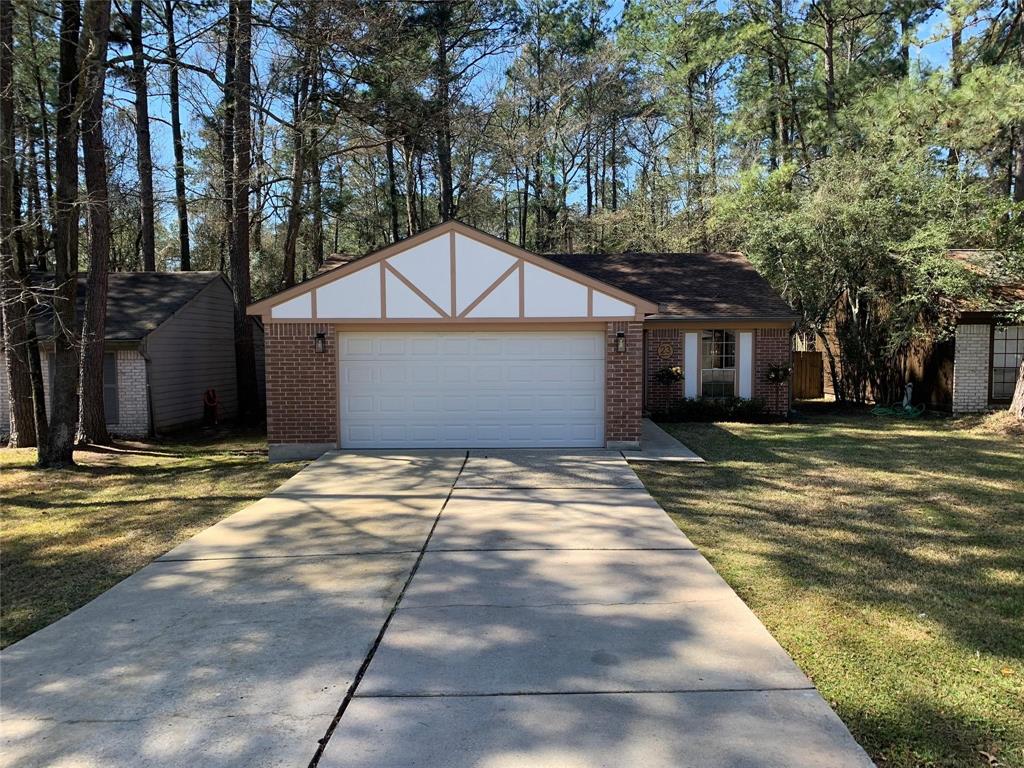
(887, 557)
(66, 536)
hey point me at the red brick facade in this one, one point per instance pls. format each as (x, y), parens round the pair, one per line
(623, 382)
(670, 341)
(772, 346)
(302, 384)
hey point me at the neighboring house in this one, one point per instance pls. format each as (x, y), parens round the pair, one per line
(169, 338)
(975, 369)
(454, 338)
(987, 350)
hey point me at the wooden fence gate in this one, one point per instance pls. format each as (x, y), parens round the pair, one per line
(808, 376)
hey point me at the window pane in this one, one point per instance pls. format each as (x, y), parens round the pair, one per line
(1007, 352)
(718, 364)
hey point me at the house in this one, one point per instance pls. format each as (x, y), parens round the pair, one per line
(169, 338)
(987, 349)
(455, 338)
(974, 369)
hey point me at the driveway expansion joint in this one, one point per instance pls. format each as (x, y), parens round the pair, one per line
(310, 556)
(351, 693)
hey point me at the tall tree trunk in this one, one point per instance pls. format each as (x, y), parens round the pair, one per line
(590, 185)
(389, 151)
(15, 306)
(316, 203)
(245, 358)
(614, 161)
(44, 122)
(956, 64)
(905, 40)
(291, 237)
(524, 208)
(1017, 404)
(228, 136)
(143, 151)
(1017, 167)
(410, 187)
(36, 204)
(443, 116)
(58, 449)
(831, 106)
(92, 423)
(184, 247)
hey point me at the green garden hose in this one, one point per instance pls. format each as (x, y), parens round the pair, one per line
(899, 410)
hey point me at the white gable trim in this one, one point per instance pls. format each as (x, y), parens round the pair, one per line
(452, 273)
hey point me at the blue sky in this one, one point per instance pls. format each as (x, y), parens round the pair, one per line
(930, 55)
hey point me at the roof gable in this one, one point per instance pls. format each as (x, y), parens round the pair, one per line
(452, 272)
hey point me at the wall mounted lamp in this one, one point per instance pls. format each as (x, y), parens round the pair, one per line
(320, 342)
(620, 341)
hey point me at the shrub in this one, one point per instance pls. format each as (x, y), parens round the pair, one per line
(730, 409)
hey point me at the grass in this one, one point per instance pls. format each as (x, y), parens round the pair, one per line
(887, 557)
(66, 536)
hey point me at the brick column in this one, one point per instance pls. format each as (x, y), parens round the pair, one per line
(302, 390)
(971, 369)
(772, 346)
(623, 385)
(661, 396)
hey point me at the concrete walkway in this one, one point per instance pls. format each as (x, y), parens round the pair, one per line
(658, 445)
(510, 609)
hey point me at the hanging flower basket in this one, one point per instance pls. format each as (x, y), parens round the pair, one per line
(778, 374)
(668, 375)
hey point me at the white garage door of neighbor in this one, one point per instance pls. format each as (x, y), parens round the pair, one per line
(524, 389)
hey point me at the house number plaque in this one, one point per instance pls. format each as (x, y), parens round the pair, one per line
(665, 351)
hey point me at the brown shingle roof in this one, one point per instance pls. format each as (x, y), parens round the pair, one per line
(691, 286)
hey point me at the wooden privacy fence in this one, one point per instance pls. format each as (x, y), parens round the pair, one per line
(808, 376)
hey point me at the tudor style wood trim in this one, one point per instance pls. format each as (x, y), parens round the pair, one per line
(643, 305)
(264, 307)
(408, 284)
(451, 260)
(489, 289)
(454, 322)
(522, 289)
(483, 325)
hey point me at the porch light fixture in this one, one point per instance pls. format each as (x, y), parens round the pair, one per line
(620, 341)
(320, 343)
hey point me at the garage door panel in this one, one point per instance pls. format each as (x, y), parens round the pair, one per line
(474, 389)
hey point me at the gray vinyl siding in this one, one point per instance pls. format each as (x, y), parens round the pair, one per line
(191, 352)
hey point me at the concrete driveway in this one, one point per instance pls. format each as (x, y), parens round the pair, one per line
(432, 609)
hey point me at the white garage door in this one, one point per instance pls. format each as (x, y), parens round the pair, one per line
(476, 389)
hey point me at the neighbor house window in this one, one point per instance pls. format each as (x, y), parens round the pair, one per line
(718, 364)
(1007, 351)
(109, 384)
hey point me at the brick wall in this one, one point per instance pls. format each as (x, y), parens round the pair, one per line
(302, 385)
(772, 346)
(132, 399)
(971, 368)
(623, 384)
(660, 396)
